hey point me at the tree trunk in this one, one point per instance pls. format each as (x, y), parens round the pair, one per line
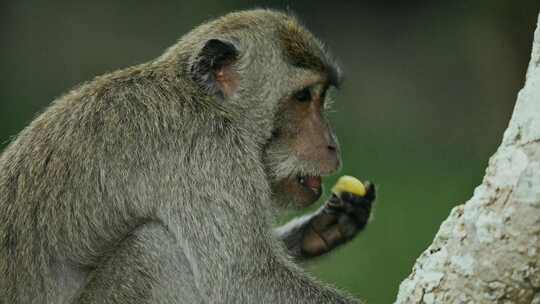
(488, 250)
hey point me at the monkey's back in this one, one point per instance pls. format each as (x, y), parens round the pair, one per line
(73, 181)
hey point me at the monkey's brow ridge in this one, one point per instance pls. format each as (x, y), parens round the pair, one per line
(305, 51)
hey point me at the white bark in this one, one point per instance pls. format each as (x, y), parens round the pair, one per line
(488, 250)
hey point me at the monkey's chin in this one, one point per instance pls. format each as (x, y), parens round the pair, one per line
(297, 192)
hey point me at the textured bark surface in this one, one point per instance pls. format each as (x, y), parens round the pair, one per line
(488, 250)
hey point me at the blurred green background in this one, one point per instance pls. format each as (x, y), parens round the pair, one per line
(429, 89)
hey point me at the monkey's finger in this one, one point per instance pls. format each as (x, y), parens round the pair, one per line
(371, 193)
(359, 208)
(335, 203)
(362, 210)
(349, 202)
(346, 203)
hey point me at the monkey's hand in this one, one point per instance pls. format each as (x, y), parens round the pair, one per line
(337, 221)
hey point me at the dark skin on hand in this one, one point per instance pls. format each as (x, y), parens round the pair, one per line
(337, 221)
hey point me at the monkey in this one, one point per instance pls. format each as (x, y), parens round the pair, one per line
(160, 183)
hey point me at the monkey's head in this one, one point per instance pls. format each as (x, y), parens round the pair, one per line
(265, 66)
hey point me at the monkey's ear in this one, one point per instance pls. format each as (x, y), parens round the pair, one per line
(213, 68)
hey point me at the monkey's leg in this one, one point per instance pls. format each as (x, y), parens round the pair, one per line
(339, 220)
(146, 267)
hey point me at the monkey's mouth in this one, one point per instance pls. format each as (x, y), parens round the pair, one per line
(311, 183)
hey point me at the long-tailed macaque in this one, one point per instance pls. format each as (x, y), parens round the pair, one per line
(159, 183)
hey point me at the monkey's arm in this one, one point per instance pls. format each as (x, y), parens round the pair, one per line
(145, 267)
(338, 221)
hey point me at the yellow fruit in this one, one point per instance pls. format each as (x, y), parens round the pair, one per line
(349, 184)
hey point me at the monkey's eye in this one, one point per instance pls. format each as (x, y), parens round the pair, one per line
(303, 95)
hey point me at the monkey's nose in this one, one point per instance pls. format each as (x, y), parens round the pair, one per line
(331, 161)
(331, 143)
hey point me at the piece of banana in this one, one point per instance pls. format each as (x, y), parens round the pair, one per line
(349, 184)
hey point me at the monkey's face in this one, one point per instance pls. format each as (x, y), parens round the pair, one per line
(303, 147)
(276, 74)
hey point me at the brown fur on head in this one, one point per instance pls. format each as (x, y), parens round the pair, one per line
(269, 71)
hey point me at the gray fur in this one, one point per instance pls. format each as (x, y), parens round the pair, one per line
(139, 187)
